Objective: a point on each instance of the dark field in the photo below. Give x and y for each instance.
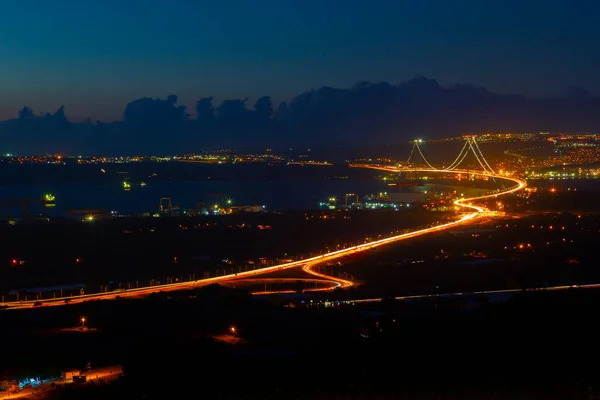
(425, 350)
(129, 250)
(529, 252)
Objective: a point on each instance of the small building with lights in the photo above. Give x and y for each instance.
(69, 374)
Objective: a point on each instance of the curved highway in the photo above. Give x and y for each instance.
(464, 203)
(307, 264)
(326, 284)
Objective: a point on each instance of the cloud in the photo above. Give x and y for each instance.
(373, 113)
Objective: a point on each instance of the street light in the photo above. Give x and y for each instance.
(233, 330)
(82, 322)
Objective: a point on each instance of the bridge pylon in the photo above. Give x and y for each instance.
(416, 158)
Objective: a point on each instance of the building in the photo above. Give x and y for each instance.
(68, 375)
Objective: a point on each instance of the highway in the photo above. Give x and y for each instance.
(484, 292)
(326, 284)
(465, 203)
(474, 212)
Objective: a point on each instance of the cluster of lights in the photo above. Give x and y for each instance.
(306, 264)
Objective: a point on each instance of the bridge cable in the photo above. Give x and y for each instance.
(458, 158)
(411, 154)
(465, 154)
(424, 159)
(481, 153)
(478, 159)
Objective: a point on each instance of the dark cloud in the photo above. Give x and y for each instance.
(205, 111)
(367, 112)
(263, 109)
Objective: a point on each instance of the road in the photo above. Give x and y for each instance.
(484, 292)
(474, 213)
(465, 203)
(326, 284)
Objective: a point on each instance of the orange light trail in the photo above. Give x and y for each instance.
(308, 263)
(479, 212)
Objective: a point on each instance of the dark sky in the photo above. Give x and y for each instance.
(95, 56)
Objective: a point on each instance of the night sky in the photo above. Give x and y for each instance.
(95, 56)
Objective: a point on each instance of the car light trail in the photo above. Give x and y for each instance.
(308, 263)
(479, 211)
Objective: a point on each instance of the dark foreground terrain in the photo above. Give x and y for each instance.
(125, 252)
(536, 345)
(532, 251)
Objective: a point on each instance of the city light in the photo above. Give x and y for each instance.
(473, 213)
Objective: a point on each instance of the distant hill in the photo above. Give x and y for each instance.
(364, 115)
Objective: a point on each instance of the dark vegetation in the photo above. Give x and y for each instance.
(536, 344)
(529, 252)
(574, 196)
(132, 251)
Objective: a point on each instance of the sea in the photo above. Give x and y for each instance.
(281, 189)
(274, 195)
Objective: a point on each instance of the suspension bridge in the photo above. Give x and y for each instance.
(470, 147)
(472, 212)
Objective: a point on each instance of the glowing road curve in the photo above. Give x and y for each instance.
(474, 212)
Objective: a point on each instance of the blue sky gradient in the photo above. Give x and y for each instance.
(96, 56)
